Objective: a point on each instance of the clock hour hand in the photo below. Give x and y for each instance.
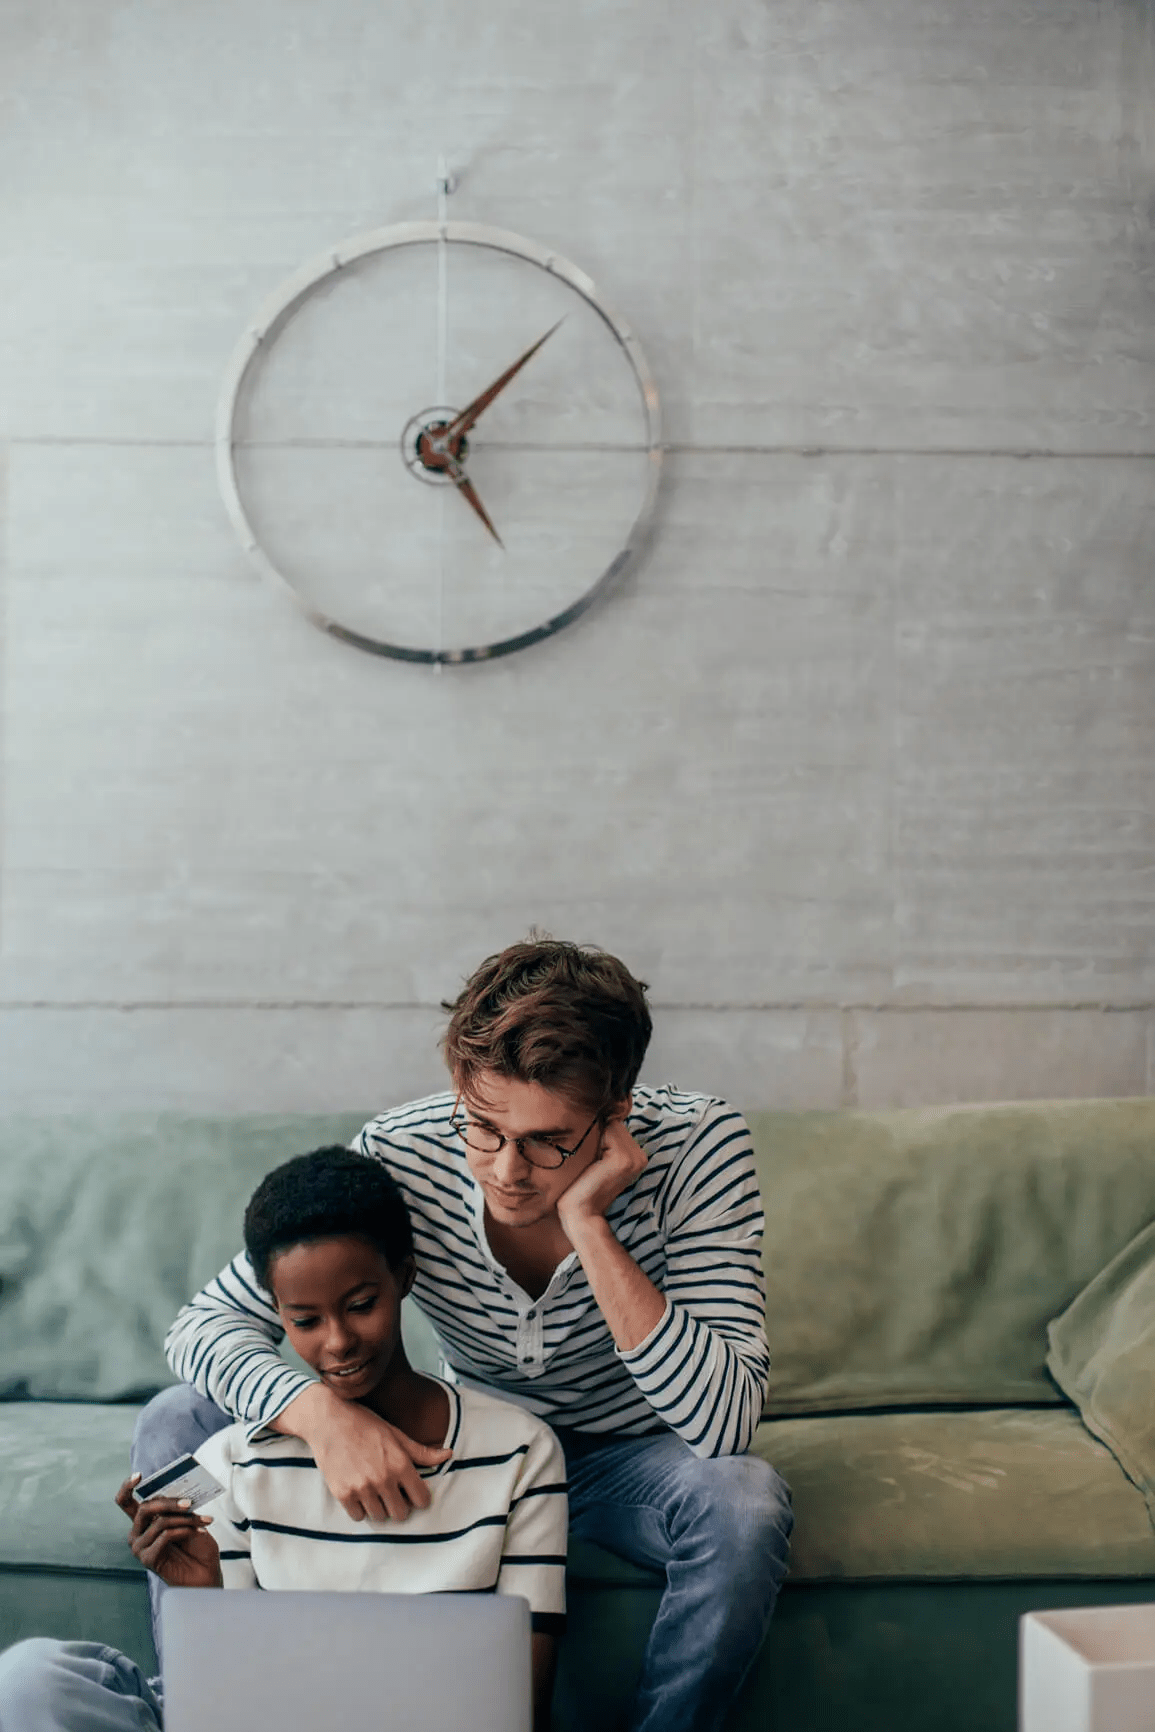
(463, 422)
(469, 492)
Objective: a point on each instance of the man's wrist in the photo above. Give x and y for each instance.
(307, 1414)
(587, 1232)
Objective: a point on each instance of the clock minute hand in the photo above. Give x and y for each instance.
(469, 415)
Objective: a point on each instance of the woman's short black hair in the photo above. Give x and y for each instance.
(324, 1195)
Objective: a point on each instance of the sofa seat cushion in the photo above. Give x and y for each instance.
(895, 1496)
(998, 1493)
(60, 1464)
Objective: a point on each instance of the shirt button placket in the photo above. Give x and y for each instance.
(529, 1350)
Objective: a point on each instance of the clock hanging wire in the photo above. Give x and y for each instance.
(445, 185)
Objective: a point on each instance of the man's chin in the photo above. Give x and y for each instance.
(514, 1209)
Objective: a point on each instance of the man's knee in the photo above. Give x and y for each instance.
(744, 1506)
(175, 1422)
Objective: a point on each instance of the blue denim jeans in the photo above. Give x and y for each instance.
(719, 1531)
(49, 1686)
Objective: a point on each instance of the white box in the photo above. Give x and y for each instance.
(1090, 1669)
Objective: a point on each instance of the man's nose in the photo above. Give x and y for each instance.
(509, 1164)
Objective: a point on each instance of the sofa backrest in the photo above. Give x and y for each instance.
(915, 1257)
(109, 1224)
(911, 1257)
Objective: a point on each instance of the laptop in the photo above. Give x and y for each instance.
(305, 1662)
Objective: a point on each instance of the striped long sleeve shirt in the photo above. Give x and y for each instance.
(692, 1221)
(495, 1523)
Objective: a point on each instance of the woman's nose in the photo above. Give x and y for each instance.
(340, 1342)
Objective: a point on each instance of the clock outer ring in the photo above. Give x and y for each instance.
(297, 287)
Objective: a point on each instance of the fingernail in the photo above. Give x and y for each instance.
(184, 1503)
(132, 1478)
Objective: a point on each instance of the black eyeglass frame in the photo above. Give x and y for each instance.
(461, 1126)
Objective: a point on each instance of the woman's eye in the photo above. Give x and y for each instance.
(364, 1304)
(302, 1322)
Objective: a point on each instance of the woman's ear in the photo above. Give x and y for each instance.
(405, 1274)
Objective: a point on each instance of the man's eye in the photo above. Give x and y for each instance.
(543, 1146)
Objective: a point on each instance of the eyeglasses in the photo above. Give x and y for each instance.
(538, 1151)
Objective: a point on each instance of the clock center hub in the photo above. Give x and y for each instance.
(430, 451)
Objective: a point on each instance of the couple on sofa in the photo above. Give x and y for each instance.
(589, 1253)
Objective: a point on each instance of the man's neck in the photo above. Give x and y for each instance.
(529, 1254)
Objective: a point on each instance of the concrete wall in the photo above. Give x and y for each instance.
(856, 770)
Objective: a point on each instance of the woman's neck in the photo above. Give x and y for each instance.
(415, 1404)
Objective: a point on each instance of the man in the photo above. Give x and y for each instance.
(590, 1250)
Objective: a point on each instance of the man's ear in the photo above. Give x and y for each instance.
(620, 1110)
(405, 1274)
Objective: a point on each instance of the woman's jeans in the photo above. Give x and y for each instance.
(719, 1531)
(49, 1686)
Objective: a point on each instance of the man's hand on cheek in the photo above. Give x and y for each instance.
(618, 1163)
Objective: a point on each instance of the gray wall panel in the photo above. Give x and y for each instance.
(862, 748)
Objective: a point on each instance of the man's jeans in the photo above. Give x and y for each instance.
(719, 1530)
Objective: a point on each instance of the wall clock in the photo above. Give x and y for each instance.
(442, 440)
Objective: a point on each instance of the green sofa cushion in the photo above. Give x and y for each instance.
(916, 1257)
(990, 1494)
(60, 1464)
(876, 1496)
(1102, 1354)
(110, 1225)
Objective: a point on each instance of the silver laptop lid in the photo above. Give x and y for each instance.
(302, 1662)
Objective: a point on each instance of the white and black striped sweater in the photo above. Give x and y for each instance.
(496, 1521)
(692, 1221)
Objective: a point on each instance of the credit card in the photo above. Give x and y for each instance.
(184, 1477)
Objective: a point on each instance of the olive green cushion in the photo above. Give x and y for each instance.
(1102, 1354)
(916, 1257)
(60, 1465)
(894, 1496)
(109, 1225)
(988, 1494)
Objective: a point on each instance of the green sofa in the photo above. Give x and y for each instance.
(943, 1483)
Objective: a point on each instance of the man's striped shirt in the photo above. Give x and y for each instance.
(692, 1221)
(496, 1520)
